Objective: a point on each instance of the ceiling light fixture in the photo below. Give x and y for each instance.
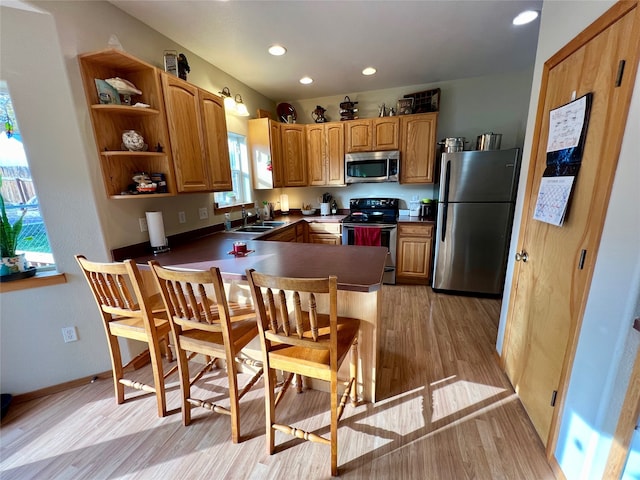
(369, 71)
(277, 50)
(306, 80)
(525, 17)
(229, 102)
(241, 108)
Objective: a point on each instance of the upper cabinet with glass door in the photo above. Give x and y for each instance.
(112, 115)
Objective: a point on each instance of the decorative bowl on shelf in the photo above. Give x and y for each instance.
(308, 212)
(133, 141)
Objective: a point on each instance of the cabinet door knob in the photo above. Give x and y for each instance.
(522, 255)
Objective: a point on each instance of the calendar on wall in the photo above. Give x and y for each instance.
(565, 145)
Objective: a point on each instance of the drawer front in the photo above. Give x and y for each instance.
(288, 235)
(414, 229)
(317, 227)
(324, 238)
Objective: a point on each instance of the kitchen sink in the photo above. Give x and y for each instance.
(255, 229)
(270, 223)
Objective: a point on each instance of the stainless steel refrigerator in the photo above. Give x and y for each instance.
(475, 215)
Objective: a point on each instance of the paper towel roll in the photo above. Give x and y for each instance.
(284, 203)
(155, 225)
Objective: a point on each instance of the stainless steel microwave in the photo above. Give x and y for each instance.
(372, 167)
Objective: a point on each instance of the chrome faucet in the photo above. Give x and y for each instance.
(244, 216)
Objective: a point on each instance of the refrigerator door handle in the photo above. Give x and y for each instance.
(445, 200)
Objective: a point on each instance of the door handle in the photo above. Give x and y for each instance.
(522, 255)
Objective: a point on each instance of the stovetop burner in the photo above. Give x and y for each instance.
(373, 210)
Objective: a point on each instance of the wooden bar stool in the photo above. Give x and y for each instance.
(303, 342)
(128, 312)
(205, 322)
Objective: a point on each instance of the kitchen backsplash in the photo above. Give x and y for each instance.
(342, 195)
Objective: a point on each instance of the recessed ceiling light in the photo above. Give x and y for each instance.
(369, 71)
(525, 17)
(306, 80)
(277, 50)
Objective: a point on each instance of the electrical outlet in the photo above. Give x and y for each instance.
(143, 224)
(69, 334)
(182, 218)
(203, 213)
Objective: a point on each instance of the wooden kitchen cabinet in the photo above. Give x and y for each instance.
(278, 154)
(293, 154)
(325, 153)
(198, 134)
(414, 253)
(302, 232)
(372, 134)
(117, 164)
(287, 234)
(326, 233)
(263, 139)
(418, 148)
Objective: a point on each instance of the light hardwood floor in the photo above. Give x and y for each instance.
(447, 412)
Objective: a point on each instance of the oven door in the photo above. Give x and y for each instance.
(388, 236)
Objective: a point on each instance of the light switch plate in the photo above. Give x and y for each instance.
(203, 213)
(182, 218)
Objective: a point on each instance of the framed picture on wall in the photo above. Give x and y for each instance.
(405, 106)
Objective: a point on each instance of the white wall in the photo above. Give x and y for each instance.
(33, 354)
(597, 384)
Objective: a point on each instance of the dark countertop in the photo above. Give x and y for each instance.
(358, 268)
(408, 219)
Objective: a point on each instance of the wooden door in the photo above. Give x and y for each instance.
(216, 141)
(418, 148)
(294, 155)
(185, 133)
(359, 135)
(334, 153)
(550, 290)
(386, 133)
(316, 154)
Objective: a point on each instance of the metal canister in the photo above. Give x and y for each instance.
(489, 141)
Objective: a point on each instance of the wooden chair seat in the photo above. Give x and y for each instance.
(196, 340)
(207, 325)
(127, 311)
(134, 327)
(299, 359)
(297, 338)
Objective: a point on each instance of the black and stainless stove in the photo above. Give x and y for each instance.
(373, 221)
(372, 210)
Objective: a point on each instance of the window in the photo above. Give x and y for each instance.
(241, 182)
(18, 190)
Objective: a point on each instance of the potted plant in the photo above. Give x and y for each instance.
(11, 262)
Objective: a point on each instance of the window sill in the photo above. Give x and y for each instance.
(234, 207)
(42, 279)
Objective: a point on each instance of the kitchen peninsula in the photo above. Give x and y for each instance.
(359, 270)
